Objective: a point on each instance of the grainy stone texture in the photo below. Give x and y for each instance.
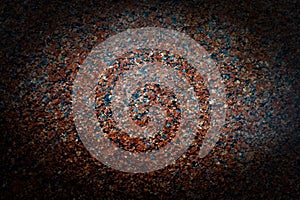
(256, 48)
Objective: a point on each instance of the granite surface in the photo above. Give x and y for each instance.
(255, 45)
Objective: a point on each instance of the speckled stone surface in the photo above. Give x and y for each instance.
(256, 48)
